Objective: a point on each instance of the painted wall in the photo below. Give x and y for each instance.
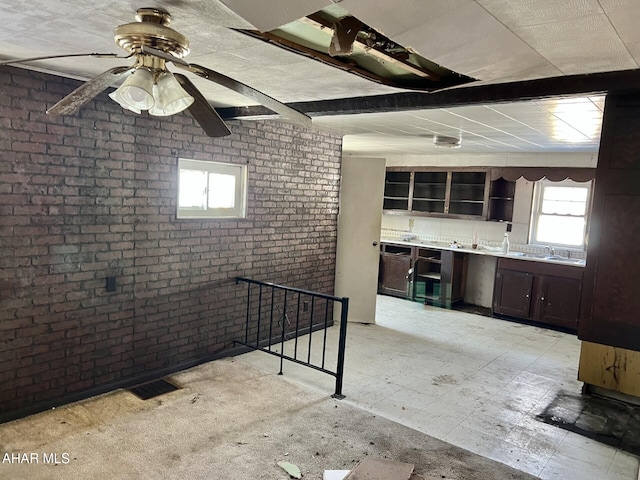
(94, 195)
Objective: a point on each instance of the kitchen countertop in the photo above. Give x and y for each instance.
(490, 251)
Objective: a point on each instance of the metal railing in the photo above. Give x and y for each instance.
(280, 315)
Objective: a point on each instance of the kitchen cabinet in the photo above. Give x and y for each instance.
(501, 198)
(560, 298)
(467, 193)
(395, 263)
(429, 275)
(538, 291)
(438, 276)
(512, 293)
(449, 193)
(396, 191)
(429, 192)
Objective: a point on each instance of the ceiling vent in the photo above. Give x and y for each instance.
(442, 141)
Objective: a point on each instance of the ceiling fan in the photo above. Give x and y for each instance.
(149, 85)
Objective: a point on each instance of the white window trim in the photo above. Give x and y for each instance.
(536, 207)
(238, 171)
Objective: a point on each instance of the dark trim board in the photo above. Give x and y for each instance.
(620, 82)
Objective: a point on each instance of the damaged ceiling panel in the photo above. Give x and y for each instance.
(400, 16)
(335, 37)
(458, 34)
(266, 15)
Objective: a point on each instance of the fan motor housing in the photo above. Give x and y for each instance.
(151, 30)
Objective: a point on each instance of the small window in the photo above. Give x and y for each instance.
(211, 189)
(560, 213)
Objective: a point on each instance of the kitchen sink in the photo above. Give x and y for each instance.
(555, 258)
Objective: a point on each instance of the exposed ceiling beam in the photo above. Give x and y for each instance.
(620, 82)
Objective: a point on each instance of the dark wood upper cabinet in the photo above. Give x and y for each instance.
(396, 190)
(460, 194)
(501, 198)
(429, 192)
(609, 314)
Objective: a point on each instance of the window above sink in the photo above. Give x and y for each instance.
(559, 214)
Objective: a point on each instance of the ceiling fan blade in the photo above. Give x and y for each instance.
(48, 57)
(87, 91)
(269, 102)
(202, 111)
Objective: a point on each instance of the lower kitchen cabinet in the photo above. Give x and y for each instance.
(512, 293)
(428, 275)
(537, 291)
(438, 276)
(560, 299)
(395, 266)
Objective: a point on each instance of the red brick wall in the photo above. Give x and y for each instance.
(94, 195)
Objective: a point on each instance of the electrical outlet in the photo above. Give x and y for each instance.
(110, 284)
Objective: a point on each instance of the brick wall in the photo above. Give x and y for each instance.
(94, 195)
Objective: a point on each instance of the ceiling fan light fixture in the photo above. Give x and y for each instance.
(170, 97)
(136, 91)
(116, 99)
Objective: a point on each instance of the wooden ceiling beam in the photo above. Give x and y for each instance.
(625, 81)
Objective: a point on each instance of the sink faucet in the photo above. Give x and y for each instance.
(550, 249)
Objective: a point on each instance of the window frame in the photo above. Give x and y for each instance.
(536, 211)
(238, 211)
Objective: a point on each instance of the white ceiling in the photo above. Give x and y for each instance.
(544, 126)
(494, 41)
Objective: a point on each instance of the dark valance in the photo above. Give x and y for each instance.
(537, 173)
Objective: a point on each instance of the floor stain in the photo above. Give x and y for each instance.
(444, 380)
(607, 421)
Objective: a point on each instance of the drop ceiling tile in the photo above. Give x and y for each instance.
(539, 12)
(266, 15)
(623, 14)
(217, 39)
(399, 16)
(574, 49)
(204, 13)
(471, 41)
(634, 51)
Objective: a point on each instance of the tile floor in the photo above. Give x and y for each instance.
(473, 381)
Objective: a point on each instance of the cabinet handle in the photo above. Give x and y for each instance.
(375, 244)
(526, 296)
(542, 299)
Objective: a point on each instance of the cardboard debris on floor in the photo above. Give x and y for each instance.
(380, 469)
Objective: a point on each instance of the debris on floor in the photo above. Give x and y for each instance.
(380, 469)
(291, 469)
(335, 474)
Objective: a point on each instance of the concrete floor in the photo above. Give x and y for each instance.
(229, 421)
(420, 376)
